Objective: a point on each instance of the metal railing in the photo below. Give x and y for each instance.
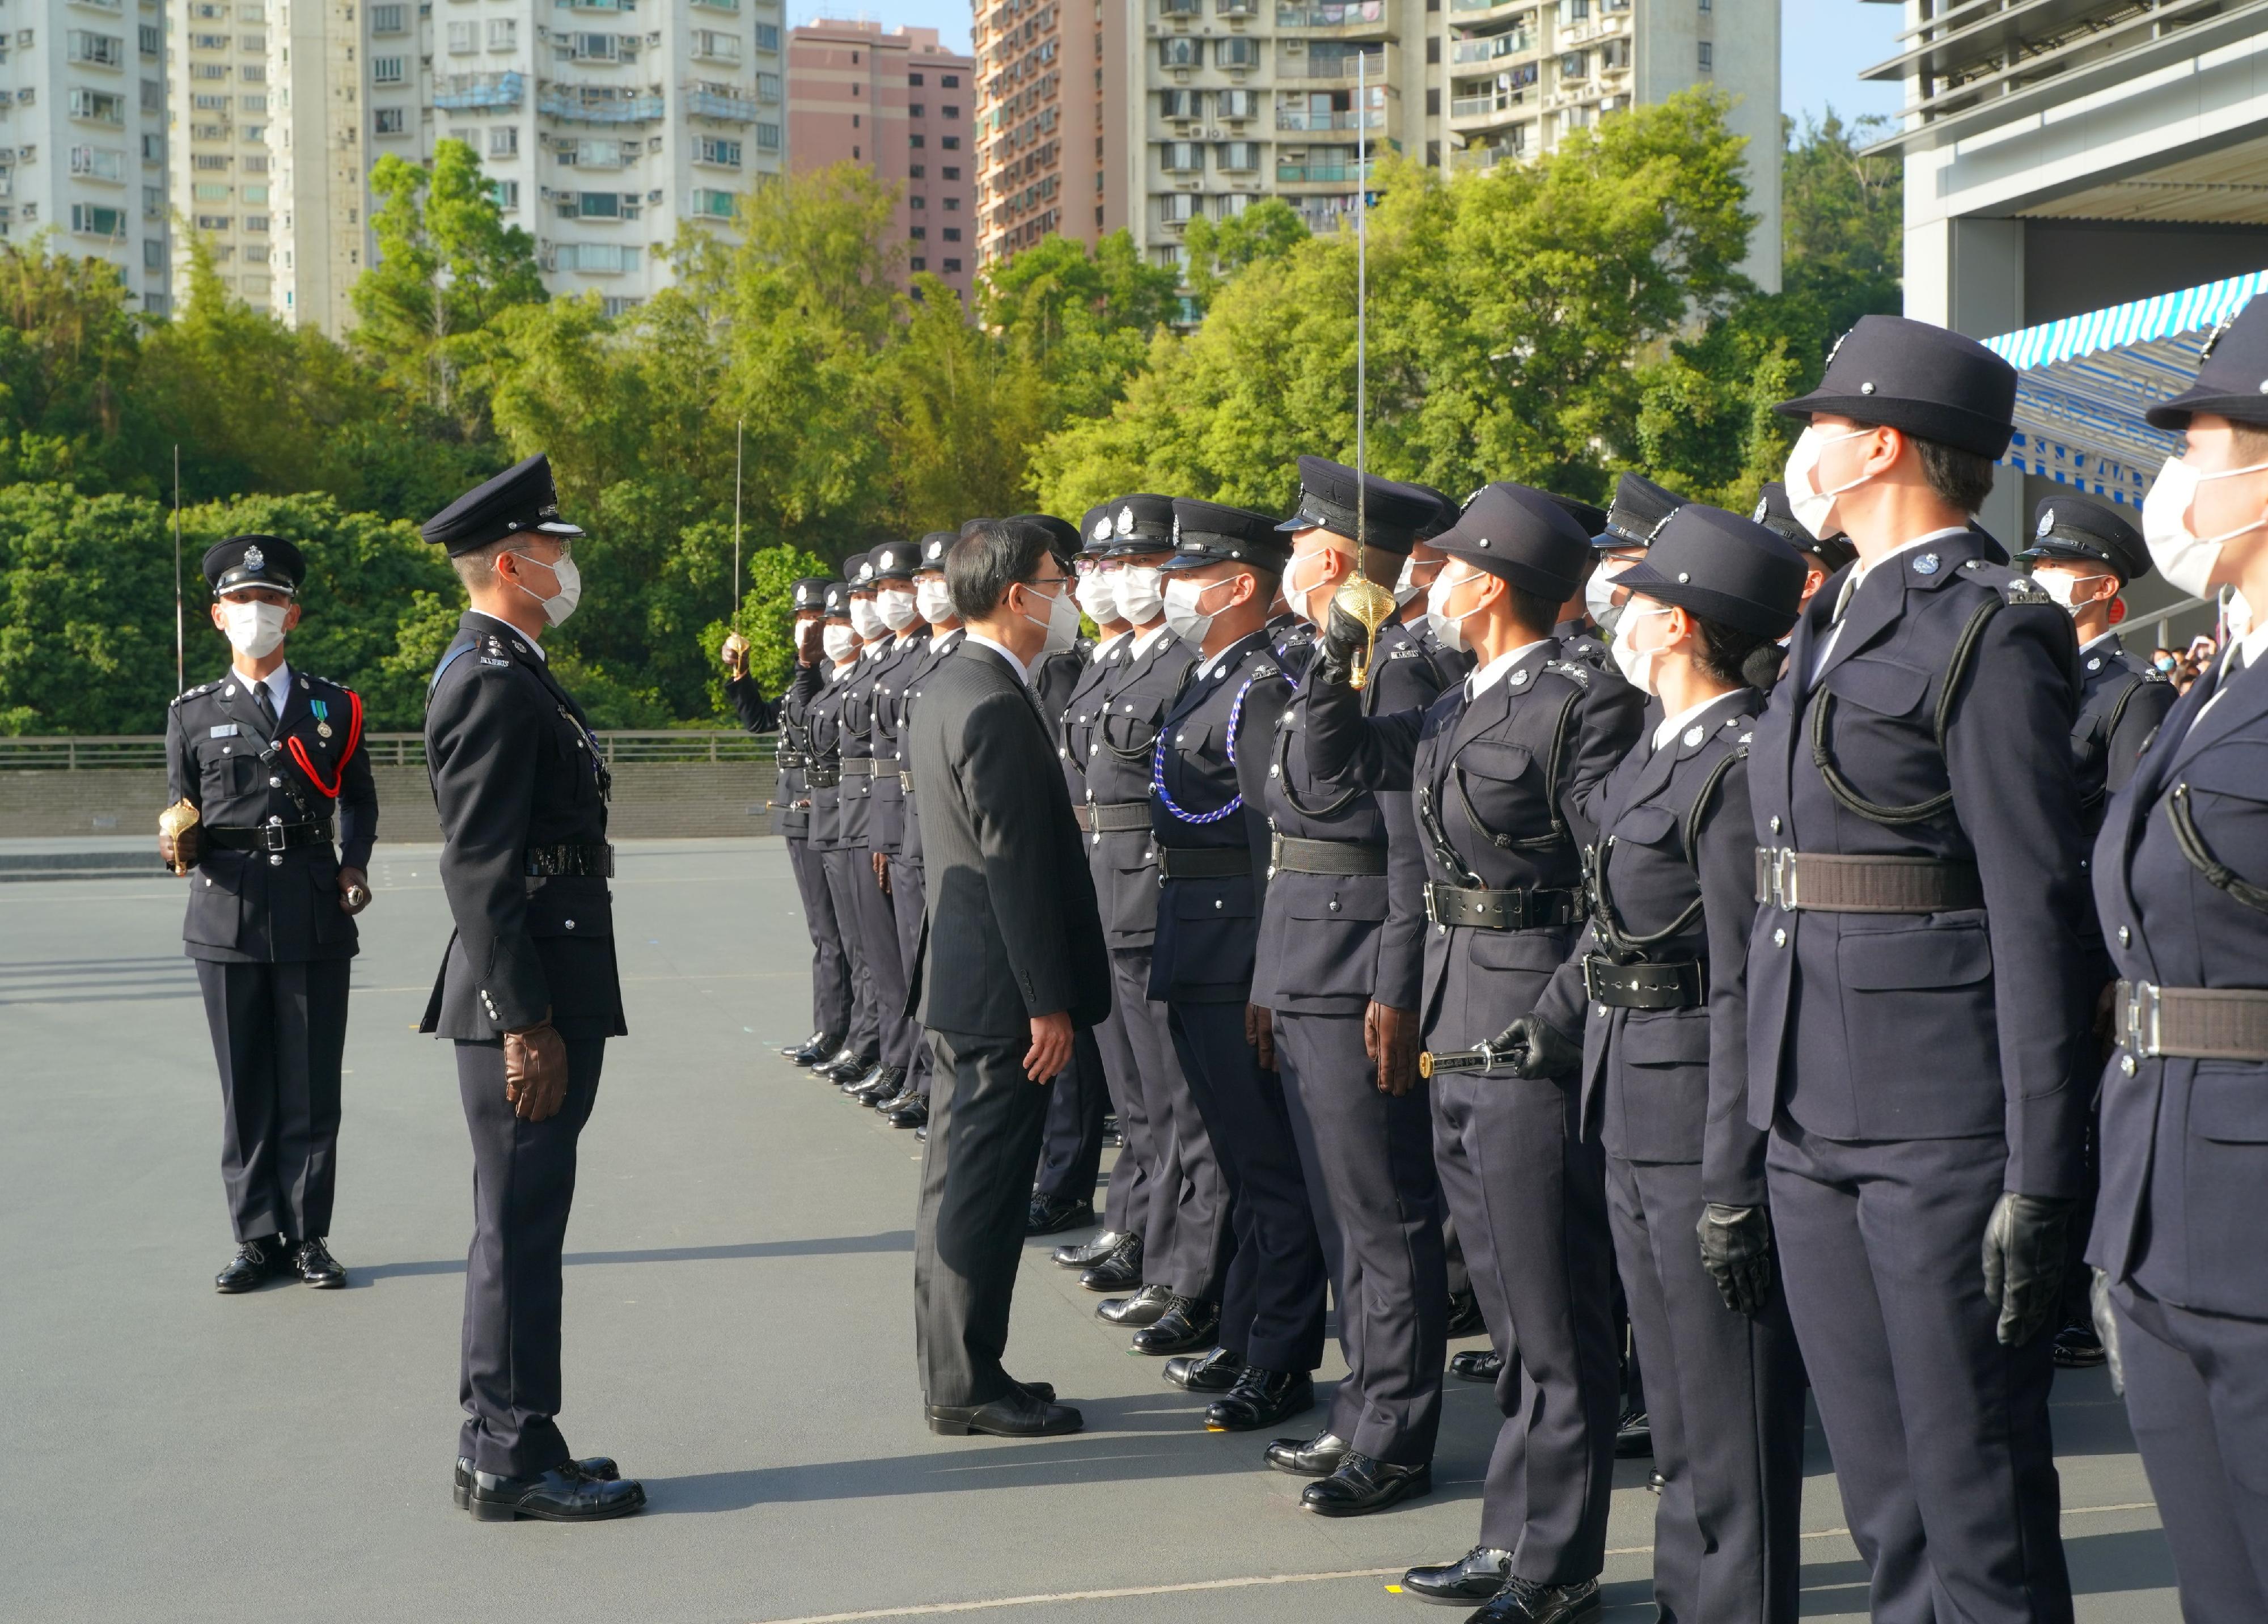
(142, 752)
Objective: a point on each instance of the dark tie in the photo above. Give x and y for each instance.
(266, 703)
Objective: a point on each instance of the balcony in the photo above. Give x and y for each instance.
(1340, 18)
(1323, 170)
(1490, 47)
(1492, 11)
(1471, 160)
(596, 104)
(464, 93)
(1327, 65)
(724, 105)
(1304, 119)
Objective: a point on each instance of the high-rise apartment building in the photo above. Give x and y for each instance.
(221, 177)
(82, 134)
(903, 106)
(316, 143)
(1048, 72)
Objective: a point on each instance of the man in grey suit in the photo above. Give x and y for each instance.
(1011, 962)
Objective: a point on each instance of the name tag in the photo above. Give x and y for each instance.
(223, 730)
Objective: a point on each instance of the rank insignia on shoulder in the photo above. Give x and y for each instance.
(488, 660)
(2022, 589)
(225, 730)
(1572, 669)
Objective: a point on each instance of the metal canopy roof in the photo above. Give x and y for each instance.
(2083, 383)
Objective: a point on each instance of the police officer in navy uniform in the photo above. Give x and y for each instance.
(1339, 972)
(2180, 882)
(272, 760)
(1417, 573)
(837, 833)
(1626, 530)
(528, 989)
(1916, 1010)
(1209, 786)
(871, 920)
(1652, 1008)
(790, 809)
(1822, 556)
(1501, 769)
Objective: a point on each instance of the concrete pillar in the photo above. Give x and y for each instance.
(1968, 274)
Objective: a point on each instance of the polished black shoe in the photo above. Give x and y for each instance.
(1655, 1483)
(906, 1094)
(600, 1467)
(1362, 1485)
(1477, 1364)
(913, 1114)
(818, 1046)
(921, 1128)
(1185, 1326)
(842, 1056)
(1146, 1307)
(863, 1081)
(848, 1069)
(1121, 1270)
(564, 1495)
(888, 1081)
(1465, 1316)
(1260, 1398)
(1022, 1413)
(2077, 1347)
(1048, 1217)
(1474, 1577)
(1524, 1601)
(313, 1262)
(1309, 1457)
(1633, 1435)
(1208, 1372)
(255, 1263)
(1044, 1392)
(1086, 1254)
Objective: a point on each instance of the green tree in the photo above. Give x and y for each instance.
(1269, 229)
(1082, 320)
(1843, 219)
(966, 411)
(69, 355)
(766, 618)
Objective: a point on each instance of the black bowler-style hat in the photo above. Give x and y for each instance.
(2232, 382)
(1445, 513)
(1636, 514)
(1775, 514)
(522, 498)
(809, 594)
(891, 561)
(1524, 536)
(1590, 515)
(1723, 568)
(1918, 378)
(246, 561)
(1210, 533)
(2074, 529)
(1390, 515)
(1128, 524)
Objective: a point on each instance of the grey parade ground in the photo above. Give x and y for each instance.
(1568, 1063)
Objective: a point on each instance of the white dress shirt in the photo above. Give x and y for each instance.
(1002, 649)
(517, 635)
(1145, 641)
(1671, 726)
(278, 682)
(1849, 591)
(1489, 675)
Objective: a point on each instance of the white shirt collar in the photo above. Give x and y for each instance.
(278, 682)
(518, 638)
(1862, 569)
(1001, 649)
(1110, 645)
(2255, 645)
(1145, 641)
(2111, 637)
(1672, 725)
(1494, 672)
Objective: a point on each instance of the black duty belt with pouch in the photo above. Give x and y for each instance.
(822, 776)
(1830, 882)
(1675, 986)
(1288, 854)
(1205, 862)
(1513, 909)
(267, 836)
(787, 761)
(2190, 1022)
(551, 861)
(1115, 817)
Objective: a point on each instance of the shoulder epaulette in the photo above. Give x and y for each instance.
(1574, 670)
(1264, 668)
(191, 693)
(1407, 651)
(2022, 589)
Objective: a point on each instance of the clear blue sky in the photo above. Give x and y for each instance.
(1823, 43)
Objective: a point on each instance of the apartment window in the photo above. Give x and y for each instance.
(950, 81)
(768, 37)
(208, 41)
(768, 137)
(1235, 103)
(210, 104)
(96, 222)
(952, 204)
(1433, 103)
(712, 46)
(203, 192)
(916, 110)
(951, 112)
(917, 263)
(953, 233)
(1180, 103)
(915, 171)
(388, 120)
(1575, 65)
(768, 87)
(98, 106)
(386, 19)
(916, 203)
(461, 39)
(504, 34)
(255, 194)
(1181, 156)
(99, 163)
(1573, 12)
(153, 253)
(618, 304)
(153, 149)
(716, 149)
(1239, 155)
(951, 266)
(210, 160)
(914, 140)
(1613, 55)
(1178, 52)
(506, 194)
(504, 141)
(1176, 207)
(255, 222)
(388, 70)
(208, 70)
(1708, 56)
(712, 205)
(604, 258)
(255, 73)
(254, 104)
(951, 143)
(1241, 51)
(951, 172)
(151, 39)
(205, 222)
(599, 205)
(917, 232)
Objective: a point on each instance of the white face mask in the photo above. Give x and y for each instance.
(934, 600)
(1183, 617)
(1810, 505)
(2062, 588)
(1296, 594)
(1450, 629)
(895, 606)
(1636, 665)
(1141, 594)
(254, 629)
(561, 603)
(865, 620)
(2182, 556)
(1098, 595)
(1061, 622)
(839, 641)
(1599, 594)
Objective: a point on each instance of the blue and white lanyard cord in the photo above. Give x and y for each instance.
(1158, 766)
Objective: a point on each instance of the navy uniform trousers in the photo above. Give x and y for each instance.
(830, 964)
(1070, 1144)
(906, 897)
(880, 943)
(279, 1032)
(1186, 1234)
(846, 866)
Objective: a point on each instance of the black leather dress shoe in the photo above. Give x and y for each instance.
(1086, 1254)
(2077, 1347)
(1309, 1457)
(563, 1496)
(842, 1056)
(313, 1262)
(904, 1093)
(913, 1114)
(460, 1482)
(1477, 1364)
(818, 1046)
(1185, 1326)
(1524, 1601)
(1362, 1485)
(1474, 1577)
(864, 1080)
(921, 1128)
(1146, 1307)
(1022, 1413)
(1120, 1270)
(1044, 1392)
(256, 1263)
(1260, 1398)
(1048, 1217)
(1465, 1316)
(849, 1069)
(885, 1084)
(1633, 1435)
(1215, 1371)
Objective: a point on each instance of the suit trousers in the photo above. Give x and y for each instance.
(1186, 1235)
(830, 969)
(523, 1187)
(983, 1146)
(1070, 1144)
(1367, 1159)
(1272, 1300)
(844, 865)
(2196, 1395)
(886, 960)
(278, 1034)
(1940, 1434)
(1517, 1174)
(1727, 1406)
(906, 899)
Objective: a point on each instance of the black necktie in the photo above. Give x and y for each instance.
(260, 698)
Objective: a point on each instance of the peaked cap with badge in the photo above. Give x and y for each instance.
(2076, 529)
(858, 571)
(1724, 568)
(522, 498)
(1211, 533)
(1390, 513)
(242, 562)
(892, 560)
(2232, 379)
(809, 594)
(1525, 536)
(1918, 378)
(934, 546)
(834, 597)
(1636, 515)
(1773, 512)
(1127, 525)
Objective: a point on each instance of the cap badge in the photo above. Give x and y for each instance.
(1866, 388)
(1102, 530)
(866, 572)
(935, 548)
(2047, 520)
(254, 559)
(1126, 521)
(1763, 507)
(1927, 564)
(2220, 331)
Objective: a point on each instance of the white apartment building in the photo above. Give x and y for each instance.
(82, 134)
(220, 173)
(316, 144)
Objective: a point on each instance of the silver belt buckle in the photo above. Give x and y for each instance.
(2143, 1027)
(273, 837)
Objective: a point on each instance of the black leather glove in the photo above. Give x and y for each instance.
(1533, 1047)
(1343, 639)
(2024, 1249)
(1736, 1249)
(2106, 1332)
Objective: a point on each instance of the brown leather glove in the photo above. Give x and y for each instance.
(535, 1071)
(1390, 1036)
(1260, 1032)
(808, 642)
(735, 654)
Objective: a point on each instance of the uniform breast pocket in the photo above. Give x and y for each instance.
(1919, 992)
(221, 776)
(1214, 938)
(1495, 789)
(1332, 944)
(1130, 726)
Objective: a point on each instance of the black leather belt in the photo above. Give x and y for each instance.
(2191, 1023)
(1675, 986)
(547, 862)
(857, 766)
(823, 777)
(1118, 817)
(787, 761)
(1288, 854)
(1211, 862)
(1484, 910)
(1830, 882)
(268, 837)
